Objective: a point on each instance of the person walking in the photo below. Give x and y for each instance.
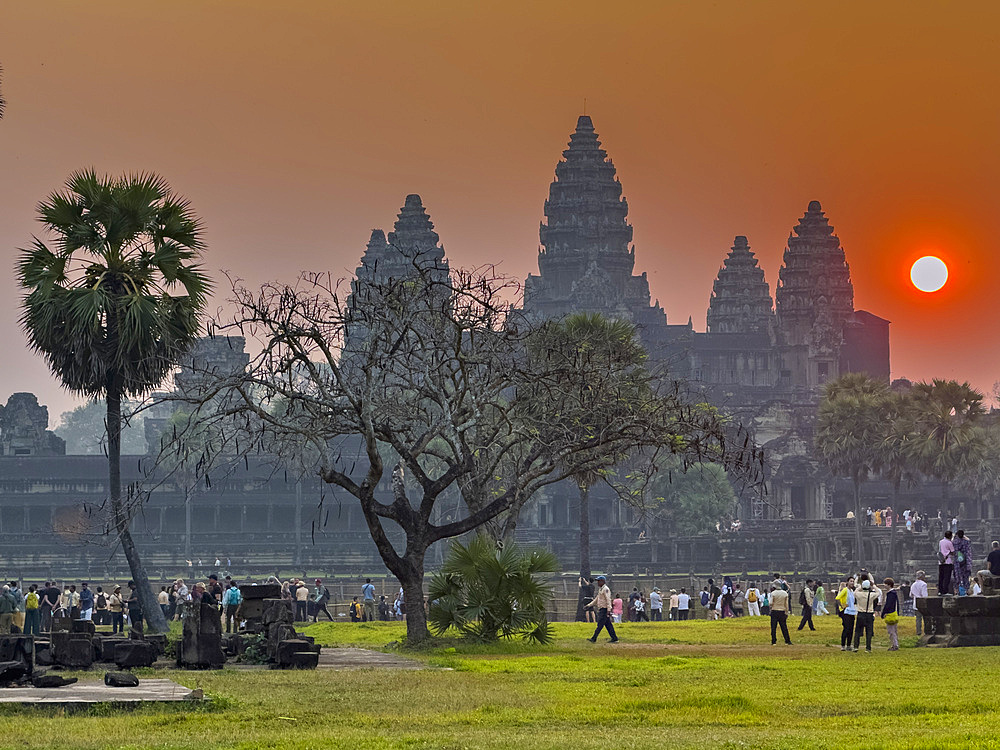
(602, 603)
(32, 614)
(714, 600)
(586, 594)
(946, 563)
(640, 609)
(847, 608)
(116, 607)
(368, 594)
(779, 615)
(806, 598)
(890, 614)
(819, 601)
(753, 601)
(867, 600)
(918, 590)
(322, 597)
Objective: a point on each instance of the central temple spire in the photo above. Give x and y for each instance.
(586, 261)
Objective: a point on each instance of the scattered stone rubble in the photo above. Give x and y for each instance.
(75, 644)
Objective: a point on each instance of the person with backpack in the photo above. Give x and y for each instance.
(705, 599)
(765, 604)
(355, 610)
(32, 613)
(8, 606)
(101, 616)
(231, 601)
(962, 570)
(753, 601)
(739, 600)
(867, 601)
(322, 597)
(806, 598)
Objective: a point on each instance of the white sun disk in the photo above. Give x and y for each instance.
(929, 274)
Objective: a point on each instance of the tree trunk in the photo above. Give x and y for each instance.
(122, 517)
(412, 581)
(581, 599)
(857, 524)
(891, 568)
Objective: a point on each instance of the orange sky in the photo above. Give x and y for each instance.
(296, 127)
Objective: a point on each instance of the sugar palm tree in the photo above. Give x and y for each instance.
(950, 438)
(112, 301)
(850, 433)
(3, 104)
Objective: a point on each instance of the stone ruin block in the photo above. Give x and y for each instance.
(61, 624)
(19, 648)
(157, 640)
(76, 653)
(201, 644)
(234, 644)
(297, 653)
(130, 654)
(13, 672)
(83, 626)
(255, 600)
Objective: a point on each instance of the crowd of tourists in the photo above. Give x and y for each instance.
(31, 611)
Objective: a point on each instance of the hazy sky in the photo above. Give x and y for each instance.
(296, 127)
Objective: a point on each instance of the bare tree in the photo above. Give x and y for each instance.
(412, 390)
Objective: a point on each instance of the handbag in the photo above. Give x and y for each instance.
(892, 618)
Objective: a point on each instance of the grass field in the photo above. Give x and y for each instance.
(693, 684)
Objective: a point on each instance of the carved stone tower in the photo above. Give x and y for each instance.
(813, 301)
(413, 250)
(586, 261)
(741, 299)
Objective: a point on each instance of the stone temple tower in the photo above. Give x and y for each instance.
(813, 302)
(412, 251)
(586, 261)
(741, 299)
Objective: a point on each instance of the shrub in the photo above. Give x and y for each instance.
(488, 591)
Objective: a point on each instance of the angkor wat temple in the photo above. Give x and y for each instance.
(763, 358)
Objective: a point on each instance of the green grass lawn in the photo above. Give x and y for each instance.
(693, 684)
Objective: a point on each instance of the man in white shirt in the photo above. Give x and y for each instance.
(753, 601)
(683, 605)
(918, 590)
(656, 605)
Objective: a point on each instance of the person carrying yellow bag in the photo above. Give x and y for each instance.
(890, 613)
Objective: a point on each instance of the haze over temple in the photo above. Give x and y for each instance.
(763, 359)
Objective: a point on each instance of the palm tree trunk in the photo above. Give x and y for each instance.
(584, 548)
(122, 517)
(891, 569)
(857, 523)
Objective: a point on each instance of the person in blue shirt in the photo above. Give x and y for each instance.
(368, 593)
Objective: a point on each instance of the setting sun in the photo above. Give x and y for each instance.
(929, 274)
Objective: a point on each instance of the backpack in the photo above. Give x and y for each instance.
(752, 595)
(102, 602)
(704, 598)
(802, 598)
(31, 602)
